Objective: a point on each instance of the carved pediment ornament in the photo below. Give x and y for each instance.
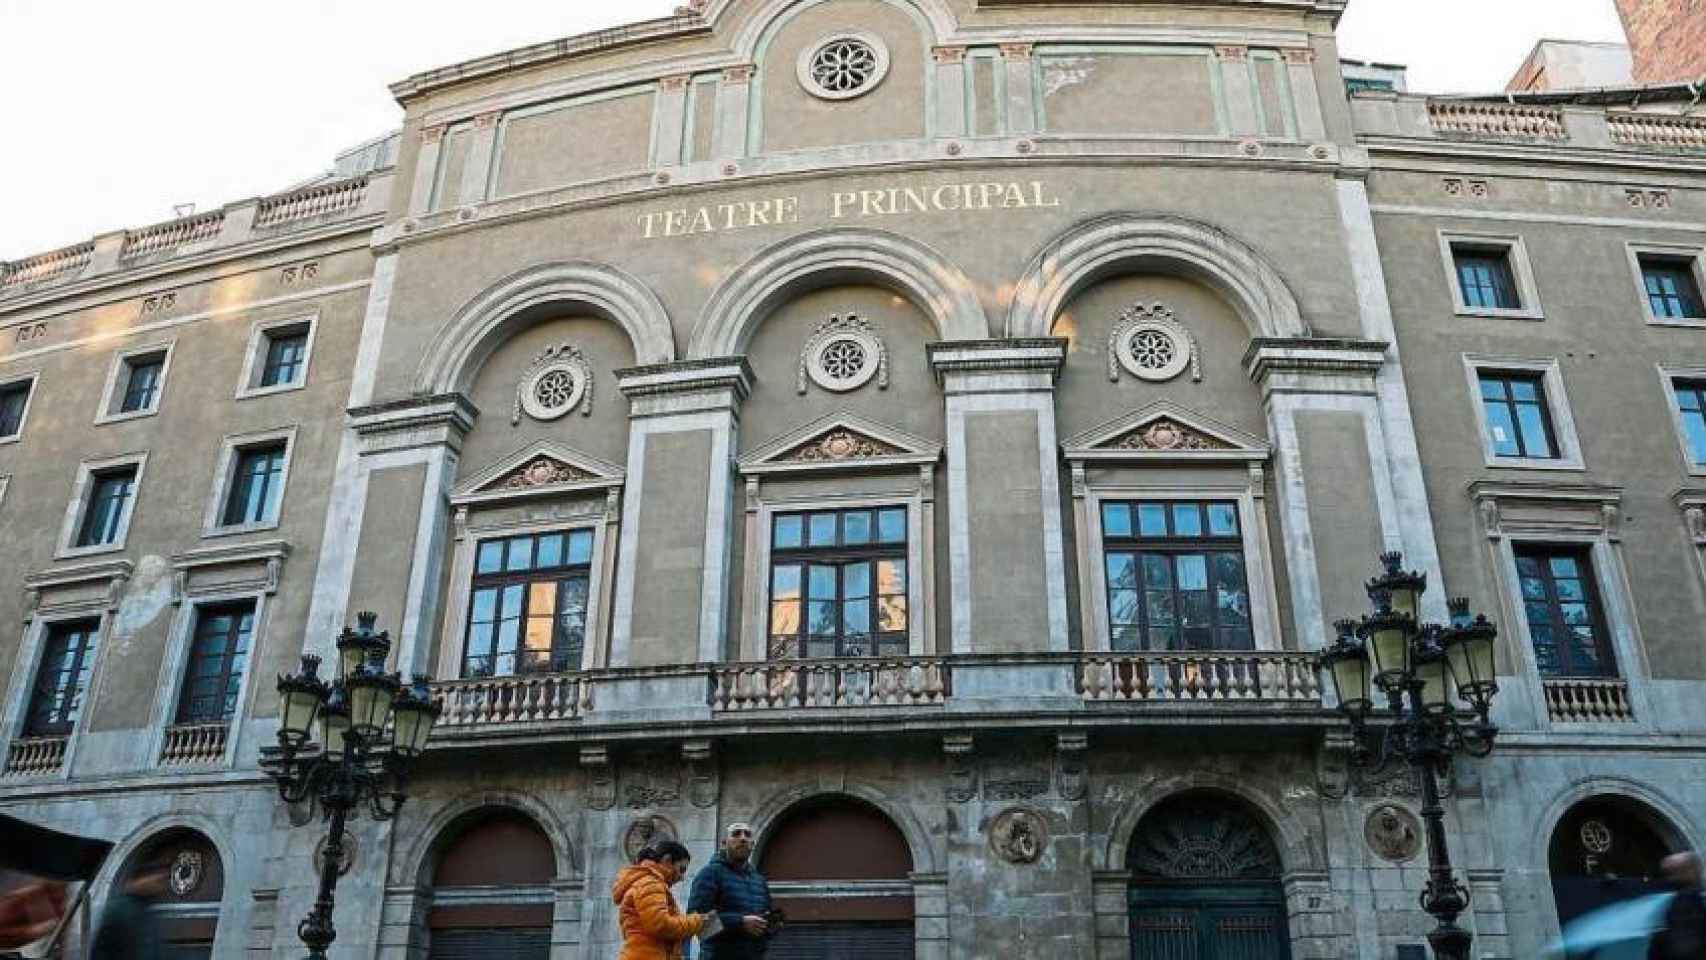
(1165, 433)
(541, 471)
(843, 354)
(1149, 343)
(840, 444)
(557, 382)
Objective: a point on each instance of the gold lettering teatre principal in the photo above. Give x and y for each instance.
(848, 205)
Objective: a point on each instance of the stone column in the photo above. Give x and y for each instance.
(669, 120)
(1238, 89)
(1112, 906)
(678, 511)
(1021, 88)
(733, 110)
(426, 170)
(1004, 508)
(482, 153)
(950, 80)
(1305, 94)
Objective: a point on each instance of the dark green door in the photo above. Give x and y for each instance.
(1208, 923)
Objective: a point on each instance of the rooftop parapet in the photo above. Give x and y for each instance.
(1630, 126)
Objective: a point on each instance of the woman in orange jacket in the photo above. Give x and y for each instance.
(653, 927)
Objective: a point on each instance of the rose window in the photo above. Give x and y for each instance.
(1152, 349)
(843, 359)
(554, 389)
(844, 66)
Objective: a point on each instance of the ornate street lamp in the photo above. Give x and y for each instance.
(372, 730)
(1428, 673)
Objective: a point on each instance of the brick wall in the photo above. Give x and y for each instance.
(1668, 38)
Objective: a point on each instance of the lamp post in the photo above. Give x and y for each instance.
(1421, 669)
(372, 730)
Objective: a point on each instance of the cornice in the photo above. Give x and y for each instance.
(1016, 355)
(733, 374)
(1508, 152)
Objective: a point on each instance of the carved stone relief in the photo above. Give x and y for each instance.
(1150, 344)
(186, 873)
(1165, 433)
(1020, 779)
(558, 382)
(962, 767)
(539, 472)
(601, 778)
(1072, 753)
(1018, 835)
(346, 856)
(839, 444)
(1393, 833)
(645, 831)
(653, 783)
(843, 354)
(704, 783)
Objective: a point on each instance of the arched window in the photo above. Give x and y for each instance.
(1606, 849)
(1206, 882)
(841, 870)
(186, 901)
(491, 889)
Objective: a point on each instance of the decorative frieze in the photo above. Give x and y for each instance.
(299, 273)
(1165, 433)
(1471, 189)
(1649, 198)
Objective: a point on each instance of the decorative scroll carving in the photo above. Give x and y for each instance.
(654, 784)
(539, 472)
(1202, 838)
(557, 382)
(1396, 782)
(1165, 433)
(1019, 780)
(601, 778)
(1490, 519)
(1072, 750)
(1151, 344)
(1018, 835)
(290, 276)
(1696, 518)
(840, 444)
(704, 783)
(1393, 833)
(843, 354)
(962, 768)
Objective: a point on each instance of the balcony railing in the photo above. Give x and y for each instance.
(1277, 677)
(1657, 130)
(60, 264)
(317, 201)
(194, 744)
(1588, 701)
(1497, 120)
(172, 235)
(815, 684)
(533, 698)
(35, 756)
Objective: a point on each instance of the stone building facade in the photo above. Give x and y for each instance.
(1668, 38)
(938, 432)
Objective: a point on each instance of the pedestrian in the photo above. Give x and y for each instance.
(1684, 935)
(129, 929)
(30, 912)
(738, 894)
(653, 927)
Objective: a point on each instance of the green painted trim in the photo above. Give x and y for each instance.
(690, 122)
(443, 163)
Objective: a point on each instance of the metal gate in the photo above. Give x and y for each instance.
(491, 943)
(870, 940)
(1209, 923)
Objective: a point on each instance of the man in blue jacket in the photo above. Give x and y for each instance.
(730, 887)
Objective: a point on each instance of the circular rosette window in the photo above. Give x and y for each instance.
(843, 66)
(845, 360)
(1153, 346)
(555, 387)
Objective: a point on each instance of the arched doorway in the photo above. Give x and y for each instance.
(1206, 883)
(491, 889)
(187, 905)
(1606, 849)
(841, 870)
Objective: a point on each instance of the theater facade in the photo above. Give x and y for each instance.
(941, 433)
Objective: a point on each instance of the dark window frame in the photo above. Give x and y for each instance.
(283, 348)
(1542, 402)
(566, 653)
(1556, 623)
(1172, 545)
(1502, 284)
(130, 398)
(48, 714)
(839, 557)
(1682, 299)
(15, 406)
(234, 509)
(89, 522)
(240, 642)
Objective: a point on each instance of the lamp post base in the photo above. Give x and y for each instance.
(1450, 941)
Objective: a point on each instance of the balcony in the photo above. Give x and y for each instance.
(35, 756)
(1588, 701)
(1229, 678)
(194, 745)
(1529, 121)
(830, 684)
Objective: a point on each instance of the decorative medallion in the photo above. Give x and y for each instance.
(1597, 838)
(1393, 833)
(539, 472)
(843, 354)
(346, 856)
(186, 873)
(644, 832)
(840, 444)
(558, 381)
(1018, 835)
(843, 66)
(1164, 433)
(1151, 345)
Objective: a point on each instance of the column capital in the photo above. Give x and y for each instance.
(677, 82)
(738, 74)
(416, 422)
(1017, 51)
(948, 54)
(980, 366)
(1309, 364)
(488, 119)
(686, 386)
(1232, 52)
(1298, 55)
(433, 133)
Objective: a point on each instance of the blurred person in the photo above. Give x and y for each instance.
(730, 887)
(1684, 933)
(30, 912)
(129, 930)
(653, 927)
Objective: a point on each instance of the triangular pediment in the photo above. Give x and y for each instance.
(1164, 430)
(541, 467)
(840, 440)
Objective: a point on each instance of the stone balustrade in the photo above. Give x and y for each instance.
(1256, 677)
(1657, 130)
(827, 684)
(35, 756)
(500, 701)
(1505, 121)
(171, 235)
(194, 744)
(321, 200)
(64, 264)
(1588, 701)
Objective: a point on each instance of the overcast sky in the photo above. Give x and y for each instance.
(118, 109)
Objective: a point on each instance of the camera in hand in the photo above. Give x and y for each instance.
(774, 918)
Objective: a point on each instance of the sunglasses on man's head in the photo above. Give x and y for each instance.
(740, 834)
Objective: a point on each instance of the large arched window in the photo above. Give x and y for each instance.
(841, 870)
(1206, 882)
(491, 890)
(187, 907)
(1606, 849)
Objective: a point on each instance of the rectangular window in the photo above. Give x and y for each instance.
(1518, 422)
(286, 352)
(1672, 291)
(219, 652)
(838, 584)
(1691, 404)
(142, 377)
(1484, 275)
(1565, 618)
(1175, 576)
(14, 397)
(528, 609)
(257, 484)
(62, 679)
(104, 516)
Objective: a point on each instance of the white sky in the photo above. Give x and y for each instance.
(118, 109)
